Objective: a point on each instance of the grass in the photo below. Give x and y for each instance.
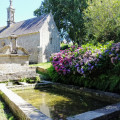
(46, 66)
(42, 65)
(5, 113)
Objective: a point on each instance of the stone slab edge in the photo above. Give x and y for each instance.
(105, 113)
(27, 85)
(19, 107)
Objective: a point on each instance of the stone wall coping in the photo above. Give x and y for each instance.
(112, 96)
(25, 85)
(99, 114)
(13, 55)
(22, 35)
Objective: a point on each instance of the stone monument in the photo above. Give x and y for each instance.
(14, 62)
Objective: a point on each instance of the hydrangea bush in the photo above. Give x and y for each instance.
(87, 61)
(82, 60)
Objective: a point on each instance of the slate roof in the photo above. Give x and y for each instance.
(24, 27)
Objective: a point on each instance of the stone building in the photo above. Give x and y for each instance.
(39, 35)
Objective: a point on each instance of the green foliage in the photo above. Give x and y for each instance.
(5, 113)
(68, 15)
(105, 81)
(29, 80)
(114, 82)
(67, 79)
(97, 47)
(43, 75)
(63, 46)
(10, 117)
(105, 75)
(102, 20)
(85, 20)
(37, 78)
(53, 74)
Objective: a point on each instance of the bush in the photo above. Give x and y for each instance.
(102, 20)
(89, 66)
(29, 80)
(63, 46)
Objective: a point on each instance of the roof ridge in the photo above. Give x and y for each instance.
(24, 27)
(27, 19)
(32, 18)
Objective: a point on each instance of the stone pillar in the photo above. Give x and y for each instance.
(13, 44)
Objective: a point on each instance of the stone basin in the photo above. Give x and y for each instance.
(28, 112)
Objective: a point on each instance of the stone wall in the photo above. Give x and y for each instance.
(15, 67)
(4, 40)
(49, 39)
(30, 42)
(13, 63)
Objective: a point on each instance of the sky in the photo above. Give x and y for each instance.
(23, 9)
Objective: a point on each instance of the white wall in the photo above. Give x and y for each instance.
(5, 40)
(49, 30)
(30, 42)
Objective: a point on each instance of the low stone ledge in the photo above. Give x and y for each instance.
(24, 85)
(18, 75)
(100, 114)
(21, 108)
(106, 96)
(40, 69)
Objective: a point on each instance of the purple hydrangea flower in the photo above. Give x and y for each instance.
(100, 56)
(106, 51)
(82, 72)
(76, 65)
(81, 69)
(88, 68)
(78, 69)
(89, 64)
(92, 67)
(110, 53)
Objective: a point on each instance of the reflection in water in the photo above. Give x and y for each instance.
(43, 107)
(59, 104)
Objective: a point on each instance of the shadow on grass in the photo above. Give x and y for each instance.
(5, 111)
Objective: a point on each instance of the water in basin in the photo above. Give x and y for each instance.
(58, 104)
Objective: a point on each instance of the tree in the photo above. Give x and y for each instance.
(102, 20)
(68, 15)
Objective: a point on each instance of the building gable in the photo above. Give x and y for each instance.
(49, 38)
